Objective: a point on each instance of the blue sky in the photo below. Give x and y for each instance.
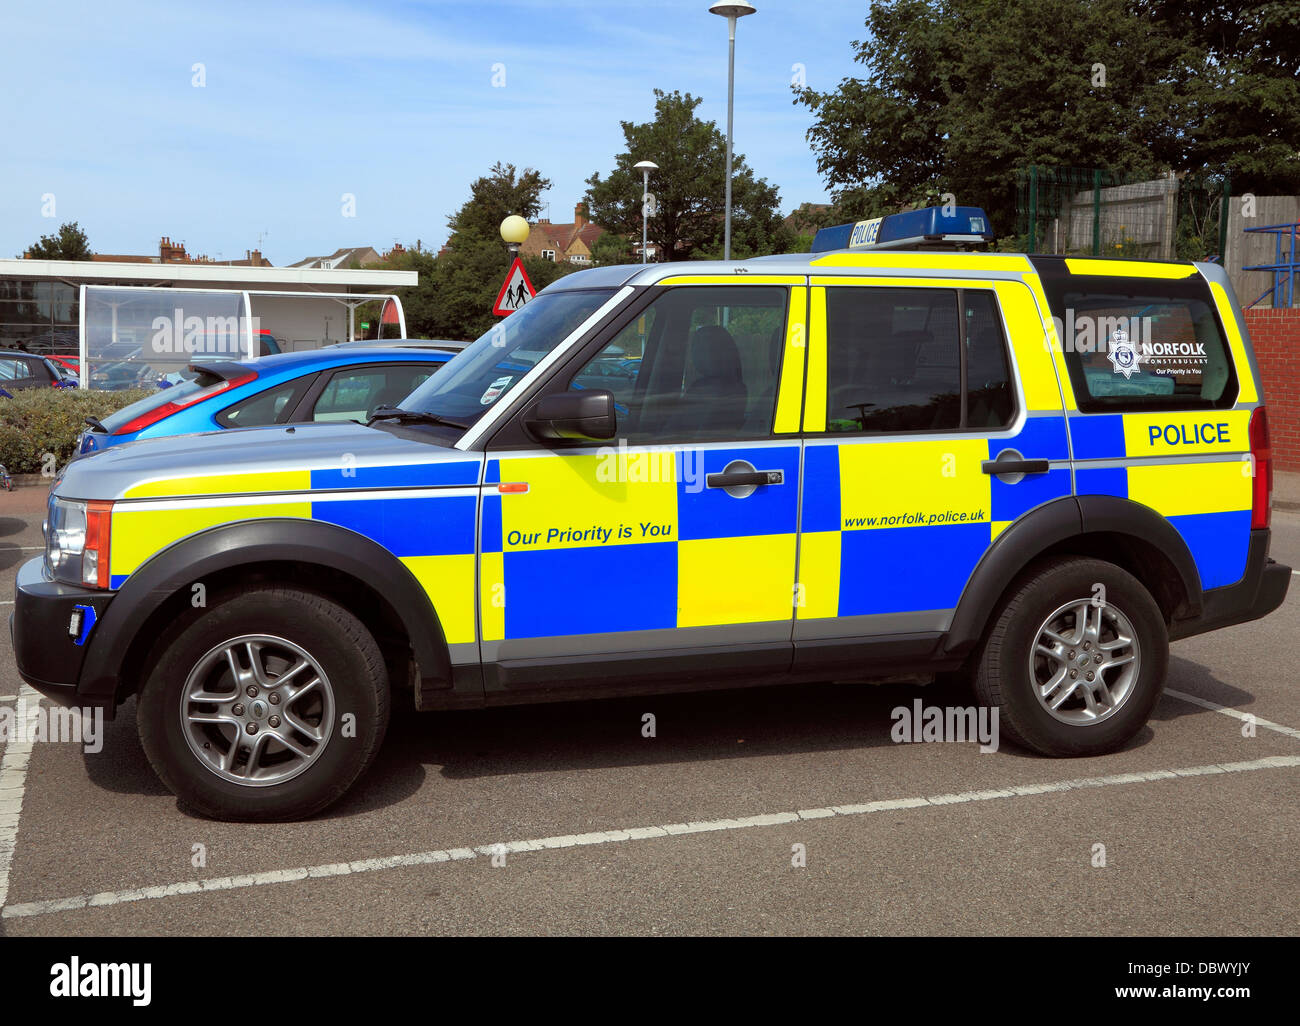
(392, 103)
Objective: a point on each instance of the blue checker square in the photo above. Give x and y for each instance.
(711, 513)
(427, 526)
(1219, 542)
(821, 496)
(1041, 438)
(1098, 436)
(1102, 481)
(898, 569)
(635, 585)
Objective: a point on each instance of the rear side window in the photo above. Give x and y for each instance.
(1135, 344)
(897, 360)
(270, 407)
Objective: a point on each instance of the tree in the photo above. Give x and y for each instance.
(611, 248)
(689, 187)
(468, 276)
(959, 94)
(69, 244)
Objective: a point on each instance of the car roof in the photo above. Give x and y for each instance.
(847, 262)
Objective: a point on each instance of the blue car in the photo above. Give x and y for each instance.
(319, 385)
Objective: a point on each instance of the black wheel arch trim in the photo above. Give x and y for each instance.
(246, 543)
(1048, 525)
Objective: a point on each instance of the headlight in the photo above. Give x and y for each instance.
(77, 536)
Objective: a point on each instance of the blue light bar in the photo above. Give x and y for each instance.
(930, 227)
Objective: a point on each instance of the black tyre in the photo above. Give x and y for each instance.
(1075, 659)
(267, 706)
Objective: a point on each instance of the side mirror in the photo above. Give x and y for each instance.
(586, 415)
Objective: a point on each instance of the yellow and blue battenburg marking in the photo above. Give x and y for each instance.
(1144, 457)
(898, 526)
(665, 550)
(432, 533)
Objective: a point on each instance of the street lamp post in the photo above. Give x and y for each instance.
(514, 230)
(731, 10)
(645, 167)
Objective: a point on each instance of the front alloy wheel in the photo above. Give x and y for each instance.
(257, 710)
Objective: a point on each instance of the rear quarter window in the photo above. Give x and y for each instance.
(1139, 344)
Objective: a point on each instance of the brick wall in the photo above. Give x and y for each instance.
(1275, 335)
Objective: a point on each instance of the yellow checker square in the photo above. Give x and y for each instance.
(492, 591)
(139, 533)
(449, 583)
(1248, 390)
(1031, 343)
(1187, 434)
(1177, 489)
(224, 484)
(818, 592)
(594, 499)
(735, 580)
(882, 484)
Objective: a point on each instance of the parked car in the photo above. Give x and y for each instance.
(71, 364)
(291, 387)
(901, 442)
(19, 370)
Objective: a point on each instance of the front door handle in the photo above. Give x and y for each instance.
(740, 478)
(999, 467)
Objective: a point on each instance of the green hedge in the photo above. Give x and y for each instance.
(40, 420)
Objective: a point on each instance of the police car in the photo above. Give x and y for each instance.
(891, 457)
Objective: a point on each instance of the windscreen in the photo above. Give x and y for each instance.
(476, 379)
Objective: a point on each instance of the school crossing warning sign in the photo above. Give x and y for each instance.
(516, 291)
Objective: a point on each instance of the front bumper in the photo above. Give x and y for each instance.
(49, 657)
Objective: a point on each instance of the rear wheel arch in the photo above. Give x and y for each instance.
(347, 567)
(1118, 531)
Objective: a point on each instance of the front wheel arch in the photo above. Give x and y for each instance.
(161, 589)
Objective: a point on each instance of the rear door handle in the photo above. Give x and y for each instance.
(738, 479)
(998, 467)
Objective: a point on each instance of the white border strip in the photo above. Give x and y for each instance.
(13, 782)
(1234, 713)
(230, 883)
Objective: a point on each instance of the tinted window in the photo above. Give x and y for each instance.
(353, 394)
(699, 364)
(1141, 350)
(270, 407)
(894, 360)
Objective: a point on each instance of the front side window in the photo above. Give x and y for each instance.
(895, 359)
(699, 364)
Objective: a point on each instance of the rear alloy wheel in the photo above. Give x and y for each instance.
(1075, 659)
(267, 706)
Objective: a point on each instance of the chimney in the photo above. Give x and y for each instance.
(255, 258)
(578, 219)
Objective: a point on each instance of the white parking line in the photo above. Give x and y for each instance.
(279, 876)
(1234, 713)
(13, 782)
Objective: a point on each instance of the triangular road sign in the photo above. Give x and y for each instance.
(515, 292)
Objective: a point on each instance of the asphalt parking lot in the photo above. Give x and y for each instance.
(698, 829)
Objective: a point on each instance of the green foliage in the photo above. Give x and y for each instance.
(37, 421)
(958, 94)
(70, 243)
(689, 187)
(611, 248)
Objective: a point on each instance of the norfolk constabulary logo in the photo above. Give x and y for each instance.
(1124, 356)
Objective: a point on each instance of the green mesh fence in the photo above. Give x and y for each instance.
(1095, 212)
